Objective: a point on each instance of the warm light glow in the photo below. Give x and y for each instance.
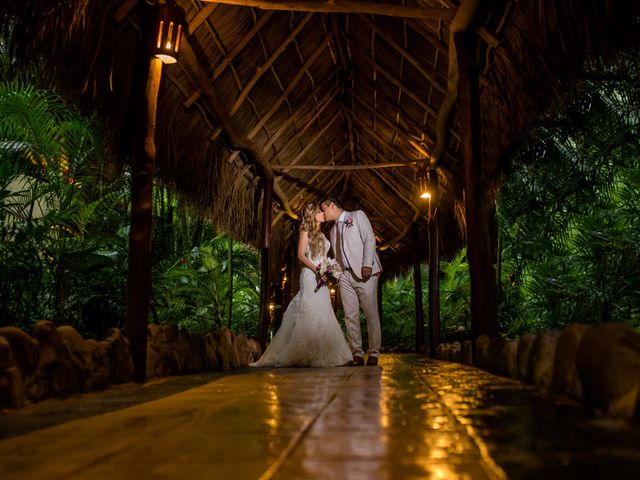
(272, 307)
(332, 291)
(168, 35)
(425, 195)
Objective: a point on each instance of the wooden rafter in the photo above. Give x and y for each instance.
(323, 102)
(345, 6)
(200, 17)
(343, 167)
(238, 141)
(402, 51)
(313, 140)
(290, 87)
(265, 66)
(304, 128)
(462, 21)
(414, 143)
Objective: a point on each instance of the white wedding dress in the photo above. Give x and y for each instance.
(310, 335)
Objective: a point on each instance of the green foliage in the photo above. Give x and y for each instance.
(192, 290)
(568, 214)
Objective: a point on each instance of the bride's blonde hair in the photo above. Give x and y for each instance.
(309, 225)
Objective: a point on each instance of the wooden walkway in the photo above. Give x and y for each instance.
(410, 418)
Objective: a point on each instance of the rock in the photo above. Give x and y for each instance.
(467, 352)
(524, 351)
(163, 350)
(541, 359)
(482, 352)
(99, 377)
(6, 357)
(12, 391)
(496, 344)
(242, 349)
(198, 350)
(508, 359)
(608, 365)
(182, 350)
(212, 347)
(118, 356)
(227, 356)
(455, 352)
(59, 373)
(441, 351)
(565, 379)
(256, 351)
(24, 349)
(78, 349)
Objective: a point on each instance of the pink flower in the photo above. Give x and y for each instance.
(348, 222)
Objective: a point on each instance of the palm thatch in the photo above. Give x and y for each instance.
(325, 88)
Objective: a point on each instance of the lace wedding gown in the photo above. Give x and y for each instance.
(310, 335)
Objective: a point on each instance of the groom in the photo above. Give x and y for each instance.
(355, 249)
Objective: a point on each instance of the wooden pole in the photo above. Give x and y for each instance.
(346, 6)
(265, 283)
(417, 285)
(344, 167)
(139, 275)
(479, 231)
(434, 268)
(230, 285)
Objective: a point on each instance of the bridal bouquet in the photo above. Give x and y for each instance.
(329, 269)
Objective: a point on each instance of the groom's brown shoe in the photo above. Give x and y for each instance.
(372, 361)
(357, 361)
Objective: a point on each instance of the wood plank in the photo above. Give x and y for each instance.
(124, 9)
(201, 17)
(417, 287)
(346, 6)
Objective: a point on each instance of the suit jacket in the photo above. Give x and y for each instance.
(358, 243)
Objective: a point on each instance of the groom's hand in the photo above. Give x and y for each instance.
(366, 273)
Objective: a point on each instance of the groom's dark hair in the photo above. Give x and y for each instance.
(328, 200)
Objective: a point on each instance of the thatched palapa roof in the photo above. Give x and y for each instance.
(306, 84)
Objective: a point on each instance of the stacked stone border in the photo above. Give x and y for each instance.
(56, 361)
(598, 366)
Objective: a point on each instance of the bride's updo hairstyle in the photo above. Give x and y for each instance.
(309, 225)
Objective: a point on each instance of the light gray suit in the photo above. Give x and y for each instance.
(354, 246)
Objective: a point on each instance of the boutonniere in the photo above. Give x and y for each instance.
(348, 222)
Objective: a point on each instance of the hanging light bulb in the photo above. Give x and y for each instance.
(168, 33)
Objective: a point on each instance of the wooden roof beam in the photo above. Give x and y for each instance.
(313, 140)
(323, 102)
(402, 51)
(343, 167)
(238, 141)
(389, 124)
(462, 21)
(345, 6)
(270, 61)
(305, 127)
(294, 82)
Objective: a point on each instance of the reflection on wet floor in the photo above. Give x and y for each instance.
(412, 418)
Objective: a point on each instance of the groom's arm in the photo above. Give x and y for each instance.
(368, 241)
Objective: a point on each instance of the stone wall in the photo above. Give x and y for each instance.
(598, 366)
(56, 361)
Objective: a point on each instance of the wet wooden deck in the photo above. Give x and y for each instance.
(409, 418)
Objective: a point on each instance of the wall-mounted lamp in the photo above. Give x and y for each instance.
(168, 33)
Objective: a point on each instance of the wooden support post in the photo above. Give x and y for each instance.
(479, 231)
(139, 275)
(265, 281)
(434, 270)
(417, 285)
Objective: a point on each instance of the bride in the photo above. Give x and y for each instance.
(310, 335)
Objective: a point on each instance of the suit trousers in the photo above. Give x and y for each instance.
(356, 294)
